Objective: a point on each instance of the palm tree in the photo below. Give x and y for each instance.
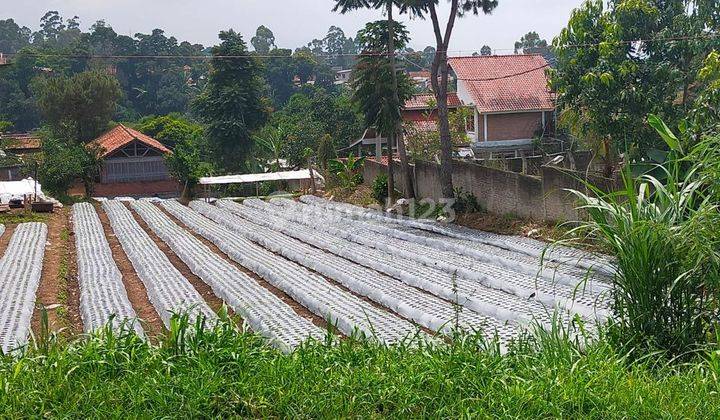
(405, 6)
(373, 82)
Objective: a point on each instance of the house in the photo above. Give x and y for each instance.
(17, 148)
(510, 96)
(342, 76)
(133, 165)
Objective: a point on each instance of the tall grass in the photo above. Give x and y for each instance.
(220, 372)
(665, 236)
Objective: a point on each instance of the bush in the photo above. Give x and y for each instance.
(380, 188)
(466, 202)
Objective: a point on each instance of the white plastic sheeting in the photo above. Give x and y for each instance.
(20, 271)
(427, 310)
(467, 293)
(167, 289)
(262, 311)
(526, 246)
(512, 260)
(103, 297)
(488, 275)
(350, 314)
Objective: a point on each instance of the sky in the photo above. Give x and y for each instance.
(295, 22)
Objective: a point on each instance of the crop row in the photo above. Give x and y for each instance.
(20, 271)
(103, 297)
(425, 309)
(350, 314)
(264, 312)
(527, 246)
(168, 290)
(476, 283)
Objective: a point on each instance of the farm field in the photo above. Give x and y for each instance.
(286, 270)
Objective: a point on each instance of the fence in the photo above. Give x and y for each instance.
(541, 197)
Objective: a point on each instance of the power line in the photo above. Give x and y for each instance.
(450, 53)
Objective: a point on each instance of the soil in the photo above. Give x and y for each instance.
(5, 238)
(54, 288)
(203, 288)
(137, 294)
(298, 308)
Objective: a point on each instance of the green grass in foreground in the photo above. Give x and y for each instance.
(223, 373)
(22, 217)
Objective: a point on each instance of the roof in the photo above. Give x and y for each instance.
(422, 126)
(121, 136)
(23, 141)
(421, 101)
(505, 83)
(424, 74)
(269, 176)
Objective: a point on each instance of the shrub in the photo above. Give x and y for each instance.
(380, 188)
(466, 202)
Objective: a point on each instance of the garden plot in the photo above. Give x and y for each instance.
(523, 246)
(405, 256)
(363, 233)
(349, 313)
(512, 260)
(20, 270)
(469, 294)
(427, 310)
(103, 297)
(263, 311)
(167, 289)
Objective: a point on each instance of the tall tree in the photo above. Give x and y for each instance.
(378, 88)
(411, 8)
(264, 40)
(231, 105)
(531, 43)
(439, 74)
(82, 104)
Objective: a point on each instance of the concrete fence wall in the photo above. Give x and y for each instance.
(502, 192)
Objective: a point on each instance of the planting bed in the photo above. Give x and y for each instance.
(289, 270)
(20, 270)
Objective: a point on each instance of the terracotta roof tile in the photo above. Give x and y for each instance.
(422, 125)
(121, 136)
(421, 101)
(505, 83)
(21, 141)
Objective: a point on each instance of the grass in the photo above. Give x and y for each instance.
(22, 217)
(224, 374)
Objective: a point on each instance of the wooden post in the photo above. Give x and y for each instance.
(312, 177)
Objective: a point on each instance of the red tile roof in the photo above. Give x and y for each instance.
(384, 159)
(505, 83)
(24, 141)
(421, 101)
(121, 136)
(419, 74)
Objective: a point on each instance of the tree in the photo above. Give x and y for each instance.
(13, 37)
(411, 8)
(170, 129)
(530, 43)
(264, 40)
(379, 89)
(188, 162)
(439, 74)
(279, 71)
(325, 151)
(485, 50)
(425, 144)
(606, 87)
(83, 103)
(231, 104)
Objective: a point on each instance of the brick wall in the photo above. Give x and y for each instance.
(502, 192)
(513, 126)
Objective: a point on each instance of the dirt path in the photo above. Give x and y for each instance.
(298, 308)
(5, 238)
(203, 288)
(56, 285)
(137, 294)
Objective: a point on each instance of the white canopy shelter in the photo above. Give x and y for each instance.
(250, 178)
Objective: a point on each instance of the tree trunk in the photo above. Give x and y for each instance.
(440, 68)
(390, 170)
(409, 192)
